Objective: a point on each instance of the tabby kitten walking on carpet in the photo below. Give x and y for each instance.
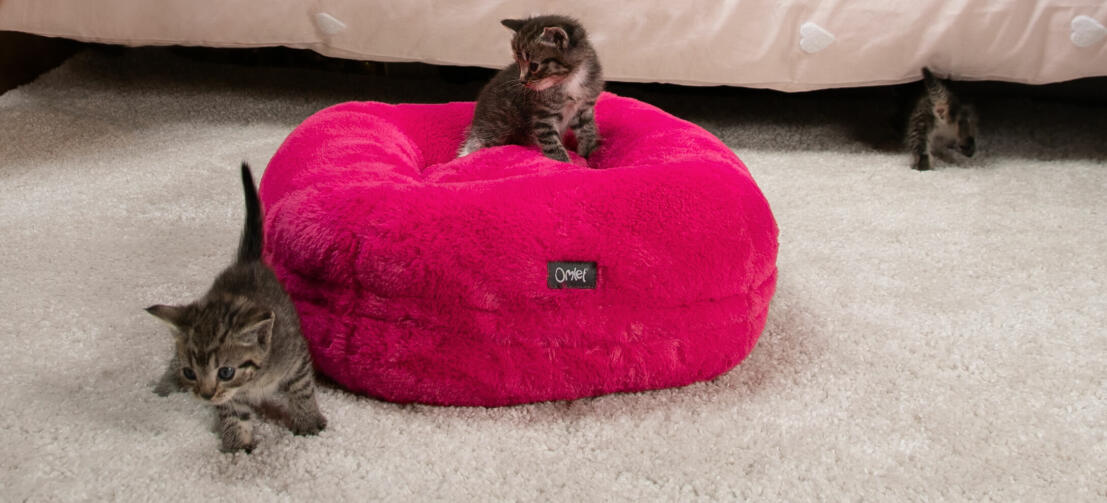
(939, 123)
(240, 345)
(552, 85)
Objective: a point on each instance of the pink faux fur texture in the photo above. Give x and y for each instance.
(422, 278)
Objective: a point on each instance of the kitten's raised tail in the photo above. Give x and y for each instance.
(933, 84)
(249, 247)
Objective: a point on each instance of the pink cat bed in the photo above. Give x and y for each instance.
(504, 277)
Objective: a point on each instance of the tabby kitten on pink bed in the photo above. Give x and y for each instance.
(552, 85)
(239, 347)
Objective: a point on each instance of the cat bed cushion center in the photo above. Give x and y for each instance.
(504, 277)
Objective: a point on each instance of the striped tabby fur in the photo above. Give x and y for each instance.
(552, 86)
(240, 345)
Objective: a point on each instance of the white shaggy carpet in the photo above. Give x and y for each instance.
(935, 336)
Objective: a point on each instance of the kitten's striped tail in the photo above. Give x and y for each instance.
(933, 85)
(249, 247)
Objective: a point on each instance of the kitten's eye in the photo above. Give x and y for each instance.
(533, 66)
(226, 373)
(189, 374)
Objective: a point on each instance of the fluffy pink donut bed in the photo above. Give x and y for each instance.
(424, 278)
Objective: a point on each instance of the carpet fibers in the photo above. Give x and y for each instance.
(934, 336)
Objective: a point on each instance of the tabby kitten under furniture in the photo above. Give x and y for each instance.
(939, 123)
(553, 84)
(240, 345)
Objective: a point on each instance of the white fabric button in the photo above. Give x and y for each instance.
(1086, 31)
(328, 24)
(813, 38)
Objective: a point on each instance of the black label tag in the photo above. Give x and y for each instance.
(571, 275)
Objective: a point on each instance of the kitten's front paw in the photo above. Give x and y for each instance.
(237, 437)
(471, 145)
(585, 147)
(168, 387)
(947, 156)
(922, 164)
(308, 426)
(233, 446)
(557, 155)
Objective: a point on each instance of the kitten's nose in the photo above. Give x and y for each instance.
(206, 395)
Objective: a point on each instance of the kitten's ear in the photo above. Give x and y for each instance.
(513, 24)
(257, 329)
(555, 36)
(577, 33)
(174, 316)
